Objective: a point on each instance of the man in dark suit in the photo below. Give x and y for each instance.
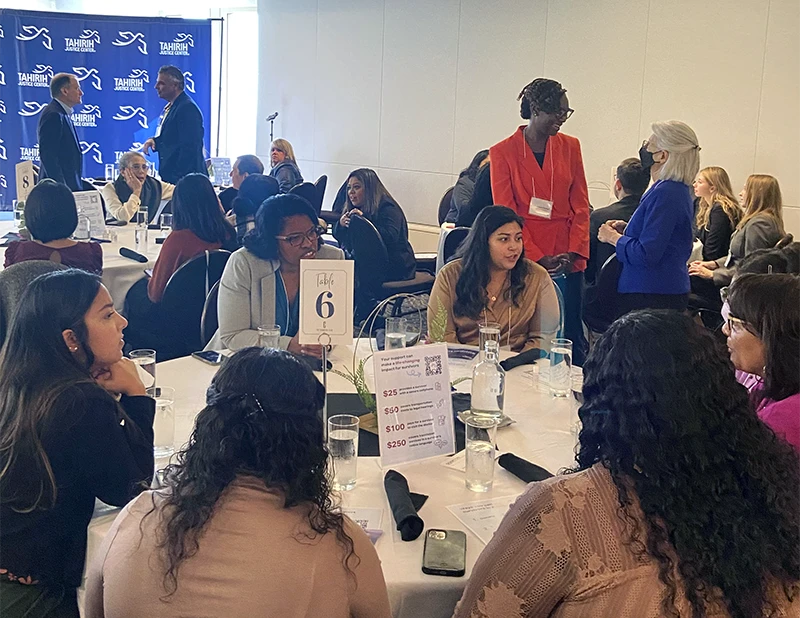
(179, 136)
(59, 147)
(244, 166)
(630, 183)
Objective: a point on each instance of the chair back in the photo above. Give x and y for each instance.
(14, 280)
(453, 241)
(185, 298)
(559, 281)
(307, 190)
(369, 252)
(321, 184)
(444, 204)
(601, 305)
(209, 321)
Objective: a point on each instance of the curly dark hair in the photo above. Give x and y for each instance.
(718, 490)
(770, 307)
(471, 297)
(542, 95)
(261, 420)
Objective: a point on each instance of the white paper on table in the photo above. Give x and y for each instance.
(366, 517)
(414, 407)
(90, 205)
(482, 518)
(326, 302)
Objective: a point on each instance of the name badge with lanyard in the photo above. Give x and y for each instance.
(539, 207)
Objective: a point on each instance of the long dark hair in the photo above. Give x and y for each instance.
(472, 170)
(261, 420)
(374, 191)
(471, 298)
(270, 219)
(770, 308)
(664, 414)
(37, 370)
(195, 207)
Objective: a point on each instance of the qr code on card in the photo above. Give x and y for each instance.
(433, 366)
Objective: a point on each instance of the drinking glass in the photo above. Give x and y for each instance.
(164, 422)
(110, 176)
(561, 368)
(343, 449)
(490, 331)
(395, 333)
(83, 231)
(166, 224)
(269, 336)
(145, 360)
(480, 440)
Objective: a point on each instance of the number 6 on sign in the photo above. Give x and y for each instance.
(326, 302)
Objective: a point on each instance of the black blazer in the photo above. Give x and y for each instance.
(180, 144)
(59, 149)
(599, 252)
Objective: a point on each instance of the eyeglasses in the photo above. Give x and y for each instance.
(738, 322)
(142, 168)
(564, 113)
(295, 240)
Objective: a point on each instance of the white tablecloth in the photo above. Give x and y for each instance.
(543, 433)
(119, 273)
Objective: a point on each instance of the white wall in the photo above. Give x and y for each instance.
(414, 88)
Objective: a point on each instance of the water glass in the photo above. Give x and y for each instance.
(561, 368)
(145, 360)
(395, 333)
(166, 224)
(83, 231)
(490, 331)
(269, 336)
(480, 441)
(110, 176)
(164, 423)
(343, 449)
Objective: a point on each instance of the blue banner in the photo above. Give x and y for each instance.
(116, 60)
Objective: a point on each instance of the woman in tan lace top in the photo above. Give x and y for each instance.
(682, 504)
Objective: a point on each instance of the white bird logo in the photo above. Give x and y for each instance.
(2, 76)
(140, 74)
(2, 107)
(31, 108)
(2, 34)
(126, 112)
(2, 151)
(83, 73)
(94, 148)
(3, 181)
(189, 81)
(136, 146)
(44, 69)
(32, 32)
(126, 37)
(184, 38)
(94, 35)
(92, 109)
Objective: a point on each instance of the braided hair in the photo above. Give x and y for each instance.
(540, 95)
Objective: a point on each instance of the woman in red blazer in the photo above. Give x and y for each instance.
(539, 173)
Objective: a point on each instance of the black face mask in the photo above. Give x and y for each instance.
(646, 158)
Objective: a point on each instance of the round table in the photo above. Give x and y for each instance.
(119, 273)
(543, 433)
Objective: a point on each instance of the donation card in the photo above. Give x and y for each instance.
(414, 407)
(483, 518)
(326, 302)
(90, 205)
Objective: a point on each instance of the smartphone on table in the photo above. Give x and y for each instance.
(445, 553)
(210, 357)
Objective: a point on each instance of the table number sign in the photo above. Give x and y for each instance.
(25, 183)
(326, 302)
(415, 411)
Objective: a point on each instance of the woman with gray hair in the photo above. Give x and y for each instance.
(134, 189)
(654, 246)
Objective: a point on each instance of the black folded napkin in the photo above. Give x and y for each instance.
(523, 469)
(404, 505)
(523, 358)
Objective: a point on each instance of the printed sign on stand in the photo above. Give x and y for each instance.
(326, 302)
(415, 411)
(25, 180)
(90, 205)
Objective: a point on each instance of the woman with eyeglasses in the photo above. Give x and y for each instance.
(654, 246)
(261, 282)
(538, 172)
(135, 189)
(763, 329)
(246, 524)
(681, 503)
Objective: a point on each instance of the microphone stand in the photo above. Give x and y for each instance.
(271, 119)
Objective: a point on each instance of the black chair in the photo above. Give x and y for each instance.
(372, 264)
(308, 191)
(14, 280)
(184, 299)
(209, 320)
(452, 242)
(601, 306)
(333, 215)
(321, 185)
(444, 204)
